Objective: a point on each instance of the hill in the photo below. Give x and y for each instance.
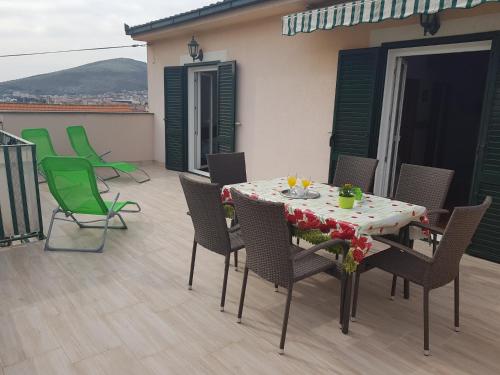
(114, 75)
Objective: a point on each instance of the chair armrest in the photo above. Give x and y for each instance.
(432, 228)
(304, 253)
(106, 153)
(438, 211)
(111, 211)
(403, 248)
(234, 228)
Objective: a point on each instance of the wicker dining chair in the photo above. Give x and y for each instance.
(440, 269)
(270, 253)
(228, 169)
(355, 170)
(422, 186)
(209, 222)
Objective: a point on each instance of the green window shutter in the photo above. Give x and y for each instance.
(226, 106)
(175, 118)
(360, 75)
(487, 169)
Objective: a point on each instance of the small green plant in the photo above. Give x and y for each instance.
(347, 191)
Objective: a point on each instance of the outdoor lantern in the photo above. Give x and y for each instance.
(194, 50)
(430, 23)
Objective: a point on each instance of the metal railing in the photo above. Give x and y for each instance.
(20, 211)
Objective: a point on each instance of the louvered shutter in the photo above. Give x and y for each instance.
(487, 171)
(175, 118)
(357, 104)
(226, 106)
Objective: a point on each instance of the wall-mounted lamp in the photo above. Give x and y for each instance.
(194, 50)
(430, 23)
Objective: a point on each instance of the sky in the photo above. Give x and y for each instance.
(45, 25)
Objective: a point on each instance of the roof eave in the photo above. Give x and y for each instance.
(191, 16)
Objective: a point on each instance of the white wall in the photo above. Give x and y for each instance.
(128, 135)
(286, 85)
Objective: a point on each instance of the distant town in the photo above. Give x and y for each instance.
(105, 82)
(136, 99)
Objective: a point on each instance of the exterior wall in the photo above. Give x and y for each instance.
(128, 135)
(286, 85)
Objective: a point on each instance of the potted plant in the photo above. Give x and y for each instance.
(346, 196)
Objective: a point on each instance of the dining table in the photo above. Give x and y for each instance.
(371, 216)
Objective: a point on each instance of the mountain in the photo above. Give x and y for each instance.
(114, 75)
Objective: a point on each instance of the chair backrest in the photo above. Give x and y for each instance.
(80, 143)
(41, 138)
(267, 238)
(355, 170)
(227, 168)
(456, 238)
(73, 185)
(424, 186)
(207, 213)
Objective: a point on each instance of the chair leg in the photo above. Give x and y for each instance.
(426, 322)
(276, 288)
(98, 249)
(355, 296)
(224, 283)
(285, 319)
(457, 304)
(242, 296)
(236, 260)
(191, 271)
(393, 287)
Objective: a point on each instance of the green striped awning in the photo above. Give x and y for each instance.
(367, 11)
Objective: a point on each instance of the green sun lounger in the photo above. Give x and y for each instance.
(44, 147)
(73, 185)
(81, 145)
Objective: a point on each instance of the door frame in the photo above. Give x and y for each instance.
(389, 126)
(193, 113)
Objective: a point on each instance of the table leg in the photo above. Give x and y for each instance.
(409, 243)
(346, 313)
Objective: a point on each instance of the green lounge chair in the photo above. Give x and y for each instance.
(73, 185)
(80, 143)
(44, 147)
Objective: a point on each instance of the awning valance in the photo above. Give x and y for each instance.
(367, 11)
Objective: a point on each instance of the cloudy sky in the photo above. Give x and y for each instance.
(45, 25)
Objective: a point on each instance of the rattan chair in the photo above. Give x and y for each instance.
(440, 269)
(355, 170)
(423, 186)
(270, 253)
(228, 169)
(209, 222)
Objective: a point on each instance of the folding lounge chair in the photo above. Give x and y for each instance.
(73, 185)
(44, 147)
(81, 145)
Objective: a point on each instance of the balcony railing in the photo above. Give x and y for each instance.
(20, 212)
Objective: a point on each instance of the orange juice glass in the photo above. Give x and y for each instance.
(292, 181)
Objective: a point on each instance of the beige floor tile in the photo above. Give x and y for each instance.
(117, 361)
(141, 330)
(51, 363)
(82, 333)
(35, 335)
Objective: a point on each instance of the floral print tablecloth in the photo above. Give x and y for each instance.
(372, 215)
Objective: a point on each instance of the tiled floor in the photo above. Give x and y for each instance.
(128, 310)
